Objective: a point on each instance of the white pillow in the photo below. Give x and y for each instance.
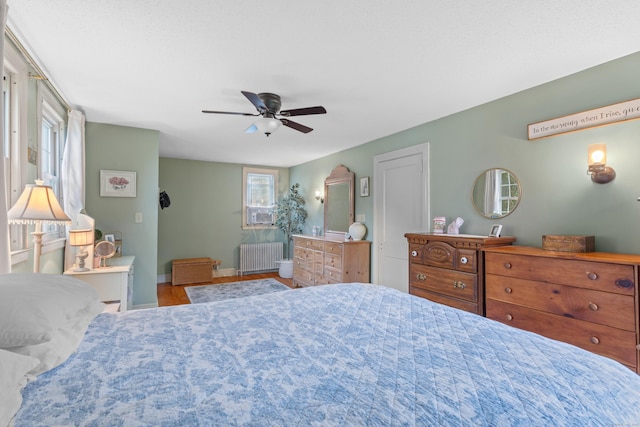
(13, 377)
(34, 306)
(63, 343)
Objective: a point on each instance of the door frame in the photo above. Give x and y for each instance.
(422, 149)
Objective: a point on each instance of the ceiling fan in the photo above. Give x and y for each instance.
(268, 106)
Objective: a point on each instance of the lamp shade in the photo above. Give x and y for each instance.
(37, 203)
(81, 237)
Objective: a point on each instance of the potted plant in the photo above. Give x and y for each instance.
(290, 218)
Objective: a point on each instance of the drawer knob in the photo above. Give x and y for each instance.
(459, 285)
(464, 260)
(592, 276)
(508, 317)
(507, 265)
(508, 290)
(421, 276)
(624, 283)
(595, 340)
(593, 306)
(414, 253)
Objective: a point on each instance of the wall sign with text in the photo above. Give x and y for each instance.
(614, 113)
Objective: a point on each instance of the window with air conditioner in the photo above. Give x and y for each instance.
(258, 197)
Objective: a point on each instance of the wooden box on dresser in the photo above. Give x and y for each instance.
(589, 299)
(449, 269)
(320, 261)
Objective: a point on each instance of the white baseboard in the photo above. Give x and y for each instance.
(224, 272)
(164, 278)
(142, 306)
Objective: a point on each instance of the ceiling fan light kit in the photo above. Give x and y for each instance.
(266, 125)
(268, 106)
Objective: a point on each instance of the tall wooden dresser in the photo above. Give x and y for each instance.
(320, 261)
(449, 268)
(586, 299)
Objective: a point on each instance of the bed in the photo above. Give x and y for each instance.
(347, 354)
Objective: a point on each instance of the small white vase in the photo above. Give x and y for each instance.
(357, 230)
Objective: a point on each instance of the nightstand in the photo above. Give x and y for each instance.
(113, 283)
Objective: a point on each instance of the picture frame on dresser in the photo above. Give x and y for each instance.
(496, 229)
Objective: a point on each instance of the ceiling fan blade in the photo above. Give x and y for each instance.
(251, 129)
(229, 112)
(255, 100)
(296, 126)
(303, 111)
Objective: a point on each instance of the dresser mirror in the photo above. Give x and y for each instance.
(338, 202)
(496, 193)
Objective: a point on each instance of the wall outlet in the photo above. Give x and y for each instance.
(138, 218)
(360, 218)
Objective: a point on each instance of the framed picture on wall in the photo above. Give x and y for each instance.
(117, 183)
(364, 186)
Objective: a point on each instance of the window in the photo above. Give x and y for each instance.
(14, 89)
(509, 192)
(50, 150)
(258, 197)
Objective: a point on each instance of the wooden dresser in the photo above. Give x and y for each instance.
(449, 269)
(586, 299)
(320, 261)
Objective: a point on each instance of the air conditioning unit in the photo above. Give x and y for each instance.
(260, 215)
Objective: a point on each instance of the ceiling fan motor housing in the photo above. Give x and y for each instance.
(271, 101)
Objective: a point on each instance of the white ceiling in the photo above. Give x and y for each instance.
(377, 66)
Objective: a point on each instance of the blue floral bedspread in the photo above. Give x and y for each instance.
(348, 354)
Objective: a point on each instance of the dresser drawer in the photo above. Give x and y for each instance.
(415, 253)
(448, 282)
(332, 275)
(601, 276)
(332, 260)
(604, 308)
(604, 340)
(451, 302)
(333, 248)
(439, 254)
(302, 275)
(308, 243)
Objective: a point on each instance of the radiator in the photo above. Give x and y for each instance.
(256, 257)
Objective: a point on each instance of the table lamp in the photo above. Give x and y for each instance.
(81, 238)
(37, 205)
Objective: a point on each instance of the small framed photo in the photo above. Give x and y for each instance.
(364, 186)
(110, 238)
(495, 230)
(117, 183)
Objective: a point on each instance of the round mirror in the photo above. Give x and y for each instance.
(496, 193)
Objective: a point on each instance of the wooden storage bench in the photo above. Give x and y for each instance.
(192, 270)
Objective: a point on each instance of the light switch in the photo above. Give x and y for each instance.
(138, 217)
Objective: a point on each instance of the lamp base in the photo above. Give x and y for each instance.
(81, 257)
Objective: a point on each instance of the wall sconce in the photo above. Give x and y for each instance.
(319, 195)
(598, 169)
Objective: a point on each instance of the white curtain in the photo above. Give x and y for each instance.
(72, 175)
(492, 205)
(5, 254)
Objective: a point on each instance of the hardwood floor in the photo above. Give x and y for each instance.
(175, 295)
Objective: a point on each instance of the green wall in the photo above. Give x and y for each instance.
(205, 216)
(558, 196)
(129, 149)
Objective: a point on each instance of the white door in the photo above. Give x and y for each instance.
(401, 205)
